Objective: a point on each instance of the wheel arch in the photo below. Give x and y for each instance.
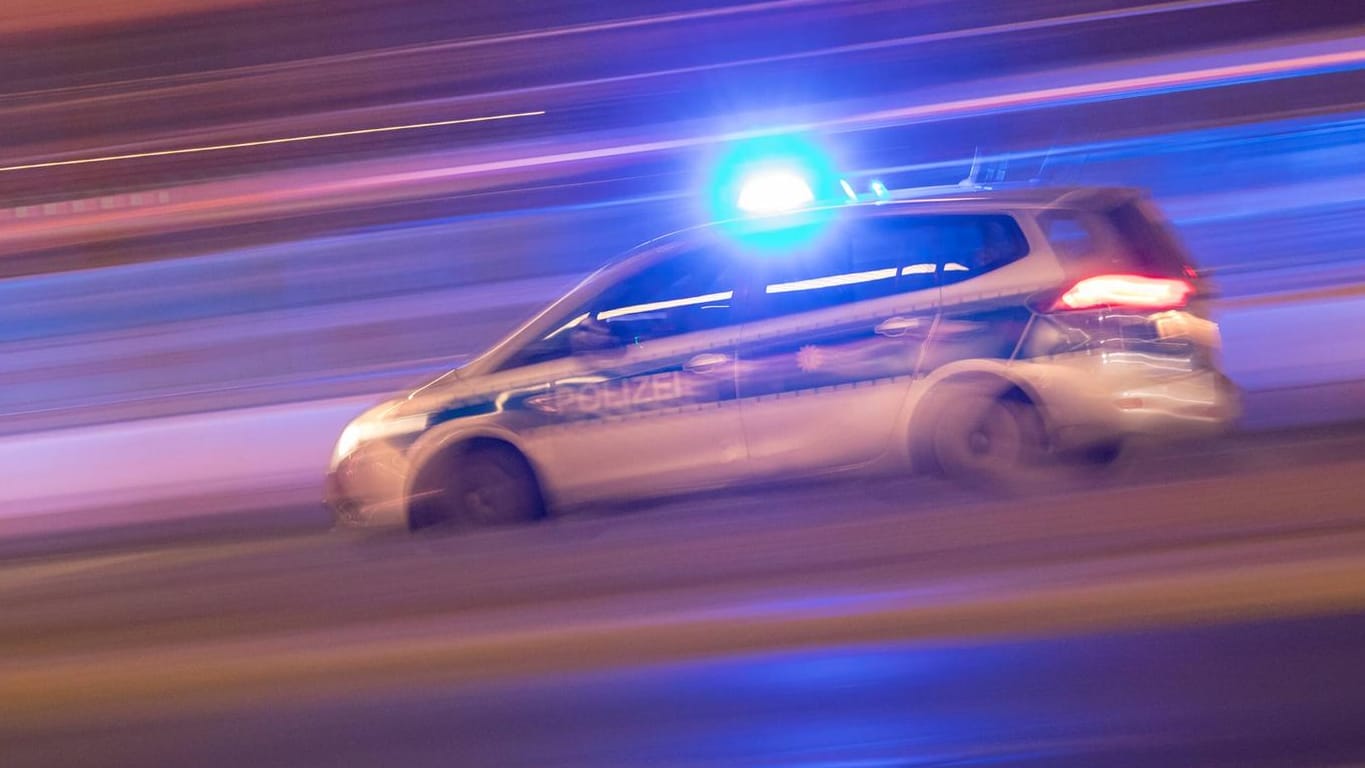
(441, 444)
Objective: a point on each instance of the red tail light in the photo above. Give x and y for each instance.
(1128, 291)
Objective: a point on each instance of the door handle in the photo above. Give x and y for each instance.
(898, 326)
(706, 362)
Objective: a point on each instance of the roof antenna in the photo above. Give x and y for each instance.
(971, 180)
(1041, 176)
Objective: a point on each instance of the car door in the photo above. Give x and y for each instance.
(834, 339)
(649, 407)
(986, 281)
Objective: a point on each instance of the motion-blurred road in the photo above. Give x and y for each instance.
(1213, 618)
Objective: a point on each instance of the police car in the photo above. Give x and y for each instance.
(995, 336)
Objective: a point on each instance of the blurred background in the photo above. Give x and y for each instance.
(227, 226)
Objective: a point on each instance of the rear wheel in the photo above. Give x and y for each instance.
(482, 484)
(985, 440)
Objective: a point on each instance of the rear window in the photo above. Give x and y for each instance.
(1124, 239)
(1152, 246)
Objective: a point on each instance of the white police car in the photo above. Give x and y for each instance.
(991, 335)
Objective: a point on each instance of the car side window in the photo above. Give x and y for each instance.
(805, 278)
(866, 259)
(686, 293)
(965, 247)
(898, 243)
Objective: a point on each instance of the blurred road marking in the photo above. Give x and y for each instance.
(22, 575)
(265, 142)
(89, 205)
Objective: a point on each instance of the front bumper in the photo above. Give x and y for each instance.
(368, 489)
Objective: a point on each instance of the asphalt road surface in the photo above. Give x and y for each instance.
(1203, 607)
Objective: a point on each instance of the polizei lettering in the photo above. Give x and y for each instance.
(623, 395)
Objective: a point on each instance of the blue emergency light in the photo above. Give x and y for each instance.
(766, 175)
(774, 191)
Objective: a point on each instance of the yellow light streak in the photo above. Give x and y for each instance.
(266, 142)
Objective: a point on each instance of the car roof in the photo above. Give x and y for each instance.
(910, 202)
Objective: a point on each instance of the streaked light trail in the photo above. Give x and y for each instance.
(266, 142)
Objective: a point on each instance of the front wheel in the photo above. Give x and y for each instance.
(478, 485)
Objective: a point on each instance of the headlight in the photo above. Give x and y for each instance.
(374, 427)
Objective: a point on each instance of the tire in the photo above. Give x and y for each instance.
(991, 441)
(479, 485)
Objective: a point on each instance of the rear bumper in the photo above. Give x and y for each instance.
(1200, 405)
(1093, 401)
